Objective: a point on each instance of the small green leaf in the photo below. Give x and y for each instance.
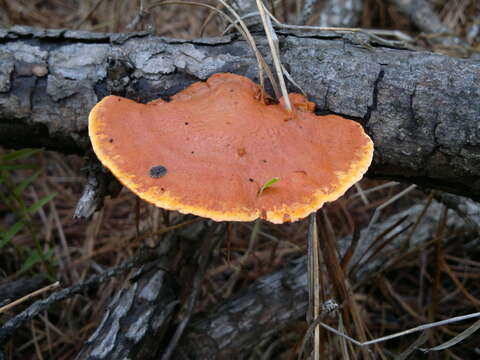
(35, 258)
(16, 166)
(37, 205)
(19, 189)
(268, 184)
(7, 236)
(20, 154)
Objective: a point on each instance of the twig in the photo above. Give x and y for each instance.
(100, 183)
(17, 288)
(29, 296)
(7, 330)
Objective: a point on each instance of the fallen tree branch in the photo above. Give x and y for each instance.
(18, 288)
(137, 319)
(100, 183)
(138, 323)
(10, 326)
(420, 108)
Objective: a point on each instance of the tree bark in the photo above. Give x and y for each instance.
(421, 109)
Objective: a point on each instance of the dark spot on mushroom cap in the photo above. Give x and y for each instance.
(193, 152)
(264, 161)
(186, 123)
(119, 99)
(157, 171)
(162, 189)
(110, 140)
(250, 179)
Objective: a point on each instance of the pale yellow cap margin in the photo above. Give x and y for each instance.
(295, 211)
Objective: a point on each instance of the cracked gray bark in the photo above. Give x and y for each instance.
(100, 183)
(421, 109)
(138, 322)
(238, 325)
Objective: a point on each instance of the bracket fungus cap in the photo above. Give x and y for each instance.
(211, 148)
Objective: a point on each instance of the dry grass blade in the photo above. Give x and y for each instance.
(208, 19)
(275, 51)
(290, 78)
(364, 241)
(242, 29)
(405, 332)
(343, 342)
(340, 284)
(460, 337)
(414, 346)
(374, 34)
(88, 14)
(229, 286)
(29, 296)
(313, 282)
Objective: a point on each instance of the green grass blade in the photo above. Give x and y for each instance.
(20, 188)
(37, 205)
(35, 258)
(16, 166)
(10, 233)
(20, 154)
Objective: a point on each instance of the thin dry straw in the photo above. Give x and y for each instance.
(443, 346)
(29, 296)
(372, 33)
(274, 49)
(243, 29)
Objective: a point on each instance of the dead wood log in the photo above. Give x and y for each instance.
(140, 321)
(276, 300)
(138, 317)
(421, 109)
(8, 329)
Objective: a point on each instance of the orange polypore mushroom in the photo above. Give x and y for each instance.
(210, 150)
